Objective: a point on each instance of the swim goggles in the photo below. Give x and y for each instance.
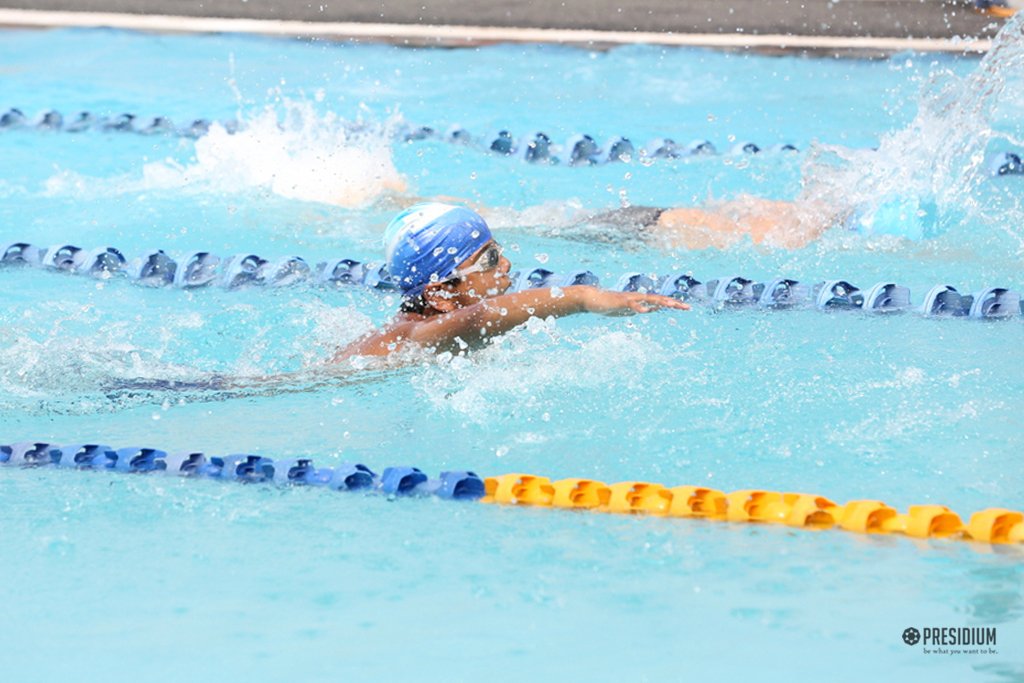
(487, 261)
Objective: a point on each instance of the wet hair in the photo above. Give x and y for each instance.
(414, 304)
(418, 303)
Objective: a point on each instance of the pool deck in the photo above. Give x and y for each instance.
(815, 25)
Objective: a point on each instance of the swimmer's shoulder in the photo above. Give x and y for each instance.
(383, 341)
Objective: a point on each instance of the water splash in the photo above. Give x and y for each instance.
(49, 364)
(62, 373)
(514, 379)
(303, 156)
(327, 328)
(934, 169)
(9, 189)
(297, 155)
(550, 215)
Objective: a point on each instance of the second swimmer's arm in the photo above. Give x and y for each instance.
(474, 324)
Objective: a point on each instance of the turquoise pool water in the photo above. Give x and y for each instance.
(162, 578)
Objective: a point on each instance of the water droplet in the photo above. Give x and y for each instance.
(541, 258)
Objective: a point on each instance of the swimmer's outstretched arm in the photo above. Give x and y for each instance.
(473, 325)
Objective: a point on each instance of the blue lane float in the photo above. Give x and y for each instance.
(579, 149)
(1006, 163)
(84, 456)
(85, 121)
(781, 293)
(244, 468)
(582, 149)
(191, 270)
(29, 454)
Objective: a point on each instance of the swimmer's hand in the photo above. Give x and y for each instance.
(607, 302)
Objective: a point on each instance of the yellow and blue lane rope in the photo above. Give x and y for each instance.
(994, 525)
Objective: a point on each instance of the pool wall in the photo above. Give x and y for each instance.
(855, 27)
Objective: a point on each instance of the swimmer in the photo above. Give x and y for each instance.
(454, 279)
(719, 225)
(780, 224)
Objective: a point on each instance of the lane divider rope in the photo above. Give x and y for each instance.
(799, 510)
(580, 149)
(192, 270)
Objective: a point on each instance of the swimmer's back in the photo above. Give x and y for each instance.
(632, 218)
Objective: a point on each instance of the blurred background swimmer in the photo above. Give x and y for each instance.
(719, 224)
(454, 279)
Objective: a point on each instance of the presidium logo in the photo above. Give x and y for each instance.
(973, 640)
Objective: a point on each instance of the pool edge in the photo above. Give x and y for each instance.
(473, 36)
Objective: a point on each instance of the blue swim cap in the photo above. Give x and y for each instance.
(427, 242)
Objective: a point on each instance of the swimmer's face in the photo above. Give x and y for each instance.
(484, 274)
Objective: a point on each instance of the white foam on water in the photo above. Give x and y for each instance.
(9, 189)
(546, 216)
(306, 156)
(532, 370)
(938, 162)
(299, 155)
(328, 328)
(64, 365)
